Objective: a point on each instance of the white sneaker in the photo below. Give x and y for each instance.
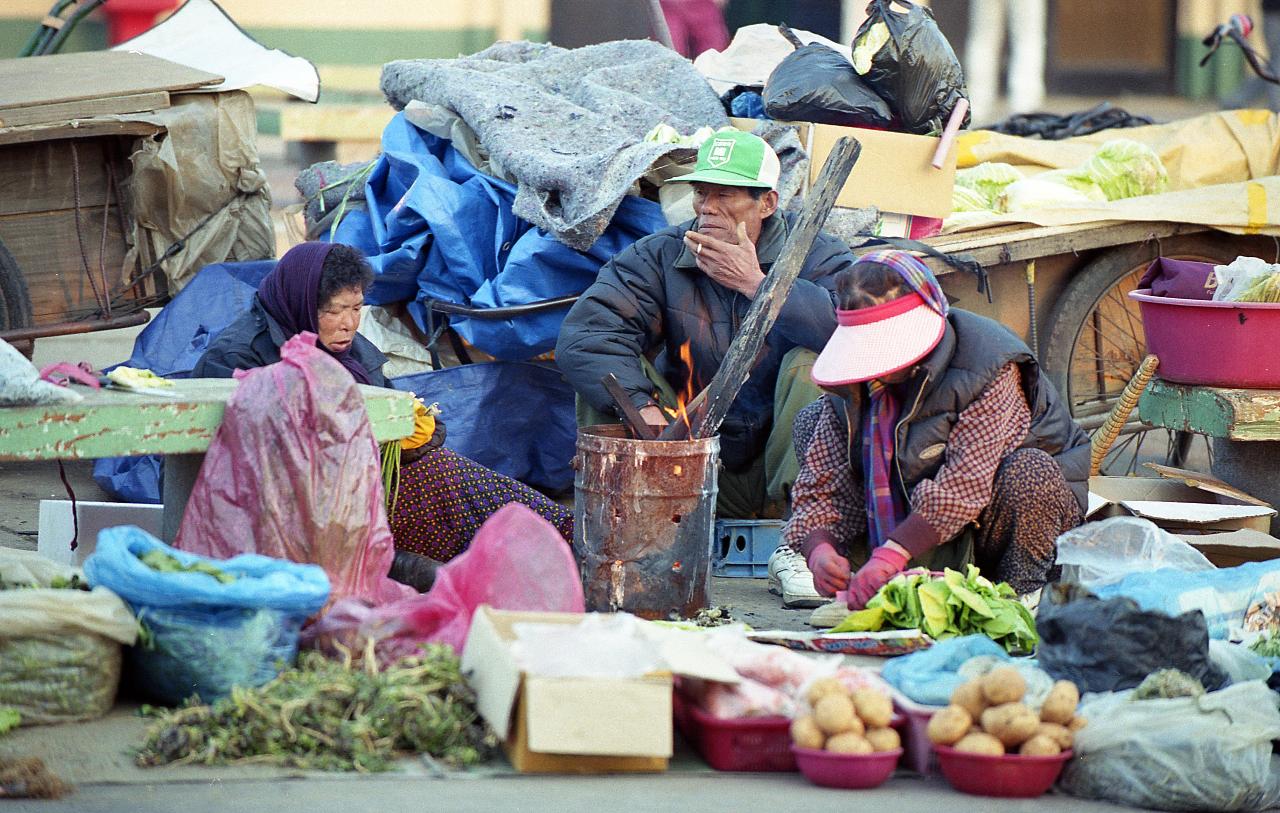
(828, 615)
(790, 578)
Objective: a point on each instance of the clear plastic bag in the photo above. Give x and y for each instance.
(20, 383)
(1211, 752)
(59, 648)
(1102, 553)
(293, 472)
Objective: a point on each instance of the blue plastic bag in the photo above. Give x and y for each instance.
(931, 675)
(203, 636)
(1223, 594)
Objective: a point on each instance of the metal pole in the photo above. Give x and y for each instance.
(658, 24)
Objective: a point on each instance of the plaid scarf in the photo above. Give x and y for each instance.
(884, 505)
(885, 508)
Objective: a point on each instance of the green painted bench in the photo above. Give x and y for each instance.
(116, 423)
(1219, 412)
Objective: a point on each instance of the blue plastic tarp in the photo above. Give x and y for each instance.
(437, 229)
(514, 417)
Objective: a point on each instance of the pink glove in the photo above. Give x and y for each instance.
(830, 569)
(884, 564)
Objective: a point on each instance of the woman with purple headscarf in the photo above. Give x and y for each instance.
(443, 497)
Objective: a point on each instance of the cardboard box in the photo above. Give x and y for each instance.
(57, 527)
(1179, 500)
(565, 725)
(893, 173)
(1234, 547)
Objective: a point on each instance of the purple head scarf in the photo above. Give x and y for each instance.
(290, 294)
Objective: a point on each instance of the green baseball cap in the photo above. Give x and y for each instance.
(735, 158)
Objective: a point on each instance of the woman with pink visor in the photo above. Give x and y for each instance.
(940, 442)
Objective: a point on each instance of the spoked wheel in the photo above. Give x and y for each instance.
(1094, 343)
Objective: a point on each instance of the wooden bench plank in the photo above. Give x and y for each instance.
(114, 423)
(1234, 414)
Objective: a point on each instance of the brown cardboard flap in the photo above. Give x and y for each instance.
(1195, 479)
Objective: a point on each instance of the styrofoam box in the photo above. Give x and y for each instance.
(56, 527)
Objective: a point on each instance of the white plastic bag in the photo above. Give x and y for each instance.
(1235, 278)
(1102, 553)
(20, 383)
(1211, 752)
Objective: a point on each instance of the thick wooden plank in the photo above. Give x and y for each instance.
(43, 80)
(63, 130)
(84, 108)
(1002, 245)
(38, 177)
(111, 423)
(46, 248)
(1234, 414)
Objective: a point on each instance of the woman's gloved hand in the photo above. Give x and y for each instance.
(830, 569)
(886, 561)
(426, 427)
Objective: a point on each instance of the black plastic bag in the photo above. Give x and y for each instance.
(915, 70)
(1107, 645)
(816, 83)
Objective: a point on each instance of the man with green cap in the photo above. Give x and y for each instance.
(662, 314)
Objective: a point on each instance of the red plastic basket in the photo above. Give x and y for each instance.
(1011, 776)
(1215, 344)
(757, 744)
(849, 771)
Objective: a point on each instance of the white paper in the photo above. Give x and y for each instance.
(755, 51)
(1193, 511)
(200, 35)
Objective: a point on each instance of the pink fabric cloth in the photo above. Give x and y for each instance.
(696, 26)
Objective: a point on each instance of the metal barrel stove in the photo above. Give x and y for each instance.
(644, 515)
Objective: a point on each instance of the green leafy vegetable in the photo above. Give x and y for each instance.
(9, 719)
(1123, 168)
(951, 605)
(988, 179)
(162, 562)
(1267, 646)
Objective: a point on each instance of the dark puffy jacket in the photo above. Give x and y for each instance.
(254, 340)
(971, 354)
(651, 299)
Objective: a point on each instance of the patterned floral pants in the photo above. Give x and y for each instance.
(444, 498)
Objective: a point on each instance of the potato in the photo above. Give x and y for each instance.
(1076, 724)
(875, 709)
(849, 743)
(834, 714)
(1058, 733)
(980, 743)
(806, 734)
(1060, 706)
(822, 687)
(1039, 746)
(1011, 723)
(969, 697)
(1003, 685)
(948, 725)
(884, 739)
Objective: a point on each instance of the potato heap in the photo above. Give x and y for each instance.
(845, 723)
(987, 716)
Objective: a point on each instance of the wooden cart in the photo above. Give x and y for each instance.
(67, 259)
(1064, 289)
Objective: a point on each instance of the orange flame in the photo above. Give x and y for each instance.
(685, 397)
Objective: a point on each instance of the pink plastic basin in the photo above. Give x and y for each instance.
(851, 771)
(1011, 776)
(1216, 344)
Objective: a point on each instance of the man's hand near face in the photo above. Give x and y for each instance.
(731, 263)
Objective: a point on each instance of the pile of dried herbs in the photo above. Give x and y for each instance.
(332, 715)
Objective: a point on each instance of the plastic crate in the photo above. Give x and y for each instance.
(919, 755)
(756, 744)
(742, 547)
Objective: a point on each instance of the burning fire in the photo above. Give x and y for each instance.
(687, 395)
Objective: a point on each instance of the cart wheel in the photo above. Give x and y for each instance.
(15, 303)
(1094, 342)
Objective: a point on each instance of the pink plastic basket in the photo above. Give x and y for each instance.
(1217, 344)
(1011, 776)
(851, 771)
(915, 717)
(756, 744)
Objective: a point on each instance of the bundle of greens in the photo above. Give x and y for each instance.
(73, 582)
(332, 715)
(948, 606)
(162, 562)
(1268, 646)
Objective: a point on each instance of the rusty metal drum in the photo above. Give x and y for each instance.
(644, 515)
